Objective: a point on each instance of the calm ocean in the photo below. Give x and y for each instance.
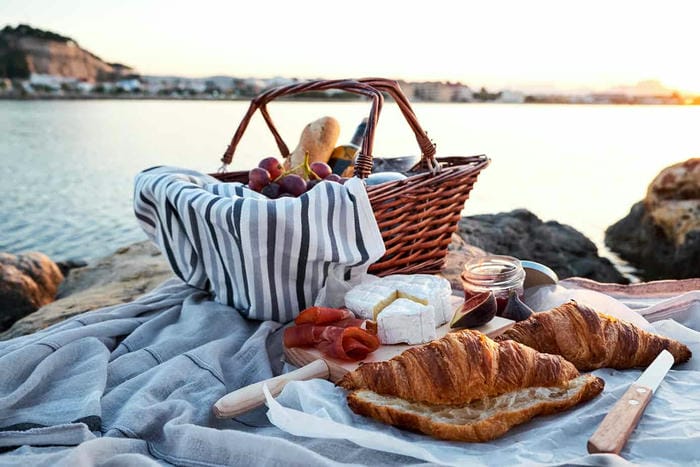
(68, 166)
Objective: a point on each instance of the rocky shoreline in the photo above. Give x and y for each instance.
(119, 278)
(660, 237)
(136, 269)
(661, 234)
(522, 234)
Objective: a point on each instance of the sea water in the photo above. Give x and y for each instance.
(67, 167)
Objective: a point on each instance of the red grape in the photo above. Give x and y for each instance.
(333, 178)
(272, 190)
(311, 183)
(321, 169)
(258, 179)
(273, 166)
(293, 184)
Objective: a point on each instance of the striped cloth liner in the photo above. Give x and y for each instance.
(266, 258)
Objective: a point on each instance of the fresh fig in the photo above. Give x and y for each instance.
(476, 311)
(515, 308)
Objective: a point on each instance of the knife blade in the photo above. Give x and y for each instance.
(617, 426)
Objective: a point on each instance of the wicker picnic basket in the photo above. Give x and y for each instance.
(416, 216)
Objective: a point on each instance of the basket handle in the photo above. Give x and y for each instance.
(369, 86)
(392, 88)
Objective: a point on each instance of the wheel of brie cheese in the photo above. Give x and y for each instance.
(425, 289)
(406, 321)
(407, 308)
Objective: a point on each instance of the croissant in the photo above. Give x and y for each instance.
(466, 387)
(592, 340)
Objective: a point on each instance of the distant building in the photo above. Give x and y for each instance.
(84, 87)
(279, 81)
(128, 85)
(462, 93)
(121, 71)
(511, 97)
(610, 98)
(52, 82)
(432, 91)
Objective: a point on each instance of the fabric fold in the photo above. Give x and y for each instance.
(266, 258)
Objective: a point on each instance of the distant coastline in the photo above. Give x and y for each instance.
(43, 65)
(232, 98)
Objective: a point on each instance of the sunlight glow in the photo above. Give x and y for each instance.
(591, 45)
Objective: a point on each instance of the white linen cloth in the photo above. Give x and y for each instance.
(668, 433)
(267, 258)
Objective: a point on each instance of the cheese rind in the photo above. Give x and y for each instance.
(425, 289)
(406, 321)
(367, 300)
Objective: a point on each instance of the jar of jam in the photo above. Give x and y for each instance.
(497, 273)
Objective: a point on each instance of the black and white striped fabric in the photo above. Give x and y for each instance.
(266, 258)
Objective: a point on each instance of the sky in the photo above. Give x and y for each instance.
(521, 45)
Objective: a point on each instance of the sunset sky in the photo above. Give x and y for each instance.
(527, 45)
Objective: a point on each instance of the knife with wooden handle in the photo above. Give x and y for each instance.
(252, 396)
(617, 426)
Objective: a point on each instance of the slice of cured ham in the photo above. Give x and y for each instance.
(348, 343)
(335, 332)
(322, 315)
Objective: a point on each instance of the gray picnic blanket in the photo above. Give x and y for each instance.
(134, 385)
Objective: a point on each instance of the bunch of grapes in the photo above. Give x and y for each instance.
(270, 178)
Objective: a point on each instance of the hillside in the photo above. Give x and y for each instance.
(25, 50)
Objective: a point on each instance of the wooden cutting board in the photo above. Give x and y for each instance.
(314, 364)
(301, 356)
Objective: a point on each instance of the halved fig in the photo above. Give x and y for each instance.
(476, 311)
(515, 308)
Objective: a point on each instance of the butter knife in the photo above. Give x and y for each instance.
(617, 426)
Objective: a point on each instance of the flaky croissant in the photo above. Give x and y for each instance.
(592, 340)
(466, 387)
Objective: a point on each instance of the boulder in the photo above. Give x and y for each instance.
(66, 265)
(522, 234)
(661, 234)
(138, 268)
(127, 274)
(673, 200)
(27, 282)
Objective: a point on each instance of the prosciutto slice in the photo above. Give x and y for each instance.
(335, 332)
(350, 343)
(322, 315)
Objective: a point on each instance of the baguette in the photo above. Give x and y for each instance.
(318, 139)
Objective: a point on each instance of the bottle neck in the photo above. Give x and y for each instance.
(359, 133)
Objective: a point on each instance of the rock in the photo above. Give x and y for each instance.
(48, 53)
(128, 273)
(522, 234)
(66, 265)
(673, 200)
(27, 282)
(661, 234)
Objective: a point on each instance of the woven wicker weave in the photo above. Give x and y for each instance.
(416, 216)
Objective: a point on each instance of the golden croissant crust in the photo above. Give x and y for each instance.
(592, 340)
(481, 420)
(459, 368)
(467, 387)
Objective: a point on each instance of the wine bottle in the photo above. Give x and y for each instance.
(342, 157)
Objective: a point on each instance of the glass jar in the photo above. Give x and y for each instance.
(497, 273)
